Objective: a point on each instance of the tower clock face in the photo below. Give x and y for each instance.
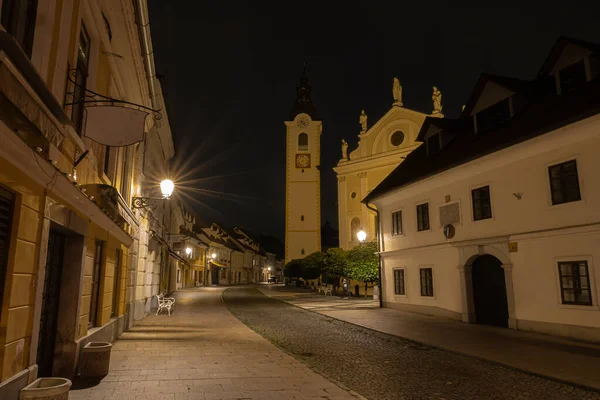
(302, 160)
(303, 121)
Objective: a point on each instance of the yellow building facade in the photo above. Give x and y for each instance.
(76, 255)
(381, 148)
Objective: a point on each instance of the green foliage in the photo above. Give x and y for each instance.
(293, 269)
(363, 263)
(335, 263)
(312, 265)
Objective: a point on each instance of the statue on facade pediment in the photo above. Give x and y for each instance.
(344, 150)
(397, 92)
(363, 121)
(437, 101)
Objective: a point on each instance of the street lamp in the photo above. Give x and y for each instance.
(361, 235)
(269, 269)
(188, 251)
(213, 256)
(166, 188)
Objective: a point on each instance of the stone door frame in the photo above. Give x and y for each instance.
(468, 253)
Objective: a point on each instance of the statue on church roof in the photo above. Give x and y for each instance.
(344, 150)
(363, 121)
(437, 101)
(397, 92)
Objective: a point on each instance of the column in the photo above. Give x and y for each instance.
(466, 286)
(342, 210)
(510, 295)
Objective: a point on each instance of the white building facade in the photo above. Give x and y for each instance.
(496, 218)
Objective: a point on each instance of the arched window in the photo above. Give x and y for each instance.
(303, 142)
(354, 228)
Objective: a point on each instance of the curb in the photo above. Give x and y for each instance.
(552, 378)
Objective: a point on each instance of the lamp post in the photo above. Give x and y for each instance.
(166, 188)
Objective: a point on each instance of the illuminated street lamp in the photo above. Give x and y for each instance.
(166, 188)
(213, 256)
(188, 251)
(269, 269)
(361, 235)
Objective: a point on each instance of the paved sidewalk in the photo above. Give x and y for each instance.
(202, 352)
(554, 357)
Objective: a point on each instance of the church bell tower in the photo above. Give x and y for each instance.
(303, 178)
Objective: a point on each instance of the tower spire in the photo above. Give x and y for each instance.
(304, 102)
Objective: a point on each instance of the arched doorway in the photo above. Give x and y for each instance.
(489, 291)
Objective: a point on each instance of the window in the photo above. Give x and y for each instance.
(426, 282)
(116, 277)
(83, 62)
(354, 228)
(18, 18)
(7, 205)
(482, 207)
(397, 138)
(572, 77)
(397, 223)
(107, 160)
(423, 217)
(575, 283)
(493, 116)
(399, 282)
(303, 142)
(564, 182)
(95, 284)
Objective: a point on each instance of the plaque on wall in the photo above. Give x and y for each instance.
(450, 214)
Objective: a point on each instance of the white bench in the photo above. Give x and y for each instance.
(164, 303)
(326, 289)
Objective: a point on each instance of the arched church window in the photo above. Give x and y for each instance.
(354, 228)
(303, 142)
(397, 138)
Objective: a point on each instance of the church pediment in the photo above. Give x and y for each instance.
(397, 129)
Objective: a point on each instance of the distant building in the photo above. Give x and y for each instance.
(495, 218)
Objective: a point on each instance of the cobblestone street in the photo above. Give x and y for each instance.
(201, 352)
(381, 366)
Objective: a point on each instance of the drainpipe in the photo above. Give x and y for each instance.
(379, 250)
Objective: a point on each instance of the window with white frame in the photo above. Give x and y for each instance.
(399, 288)
(397, 223)
(426, 275)
(564, 182)
(575, 283)
(423, 217)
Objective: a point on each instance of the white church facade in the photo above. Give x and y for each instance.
(495, 219)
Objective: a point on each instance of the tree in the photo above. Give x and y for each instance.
(312, 265)
(363, 264)
(335, 263)
(293, 269)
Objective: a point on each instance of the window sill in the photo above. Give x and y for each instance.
(593, 307)
(427, 297)
(400, 296)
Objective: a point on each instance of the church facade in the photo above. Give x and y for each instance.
(381, 148)
(303, 178)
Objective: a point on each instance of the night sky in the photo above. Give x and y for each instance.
(231, 69)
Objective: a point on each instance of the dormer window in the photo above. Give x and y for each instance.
(572, 77)
(494, 116)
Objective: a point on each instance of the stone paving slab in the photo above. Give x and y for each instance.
(545, 355)
(202, 352)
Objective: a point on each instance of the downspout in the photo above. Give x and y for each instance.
(143, 23)
(379, 250)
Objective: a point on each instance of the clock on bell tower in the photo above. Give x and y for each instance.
(303, 178)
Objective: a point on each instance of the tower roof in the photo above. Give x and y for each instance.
(304, 102)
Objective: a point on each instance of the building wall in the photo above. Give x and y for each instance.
(543, 234)
(303, 191)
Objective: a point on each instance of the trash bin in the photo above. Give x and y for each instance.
(47, 389)
(95, 359)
